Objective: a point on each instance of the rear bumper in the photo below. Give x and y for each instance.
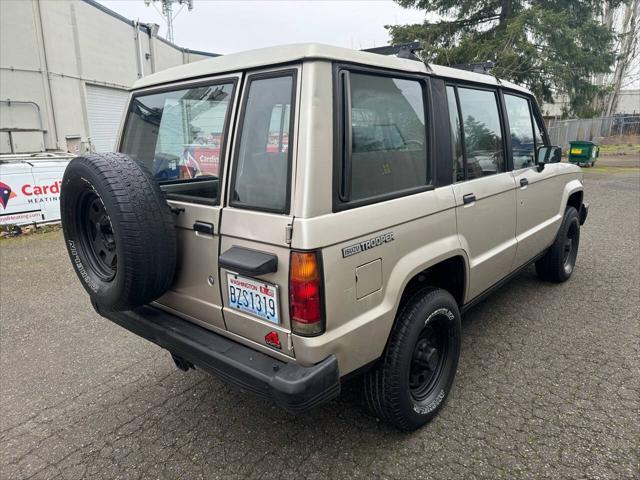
(584, 211)
(294, 387)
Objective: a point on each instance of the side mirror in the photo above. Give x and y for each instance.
(548, 154)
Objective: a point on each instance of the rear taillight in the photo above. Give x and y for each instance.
(305, 294)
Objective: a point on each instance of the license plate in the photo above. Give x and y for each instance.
(254, 297)
(576, 151)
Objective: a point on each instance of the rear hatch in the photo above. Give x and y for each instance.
(256, 222)
(223, 151)
(181, 133)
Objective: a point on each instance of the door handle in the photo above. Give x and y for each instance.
(203, 227)
(469, 198)
(524, 182)
(248, 262)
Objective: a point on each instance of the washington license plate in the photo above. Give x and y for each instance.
(254, 297)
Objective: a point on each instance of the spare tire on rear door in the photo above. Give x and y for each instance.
(119, 230)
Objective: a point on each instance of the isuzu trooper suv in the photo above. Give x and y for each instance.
(290, 217)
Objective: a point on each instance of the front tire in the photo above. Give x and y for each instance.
(414, 376)
(558, 263)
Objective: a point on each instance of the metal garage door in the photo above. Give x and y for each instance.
(104, 109)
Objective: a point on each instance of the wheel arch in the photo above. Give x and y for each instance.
(575, 200)
(450, 274)
(572, 195)
(435, 273)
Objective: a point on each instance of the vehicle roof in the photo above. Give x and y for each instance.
(38, 157)
(265, 57)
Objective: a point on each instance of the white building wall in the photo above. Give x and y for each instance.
(628, 102)
(50, 51)
(165, 55)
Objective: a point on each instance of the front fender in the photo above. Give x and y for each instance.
(570, 188)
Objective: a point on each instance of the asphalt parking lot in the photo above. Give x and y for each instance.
(548, 384)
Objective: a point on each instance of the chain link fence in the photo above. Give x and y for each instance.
(603, 130)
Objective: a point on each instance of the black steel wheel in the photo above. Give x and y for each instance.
(119, 230)
(96, 235)
(410, 383)
(428, 358)
(559, 261)
(570, 247)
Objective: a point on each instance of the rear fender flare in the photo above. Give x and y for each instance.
(413, 263)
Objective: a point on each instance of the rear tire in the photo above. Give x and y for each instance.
(558, 263)
(411, 382)
(118, 229)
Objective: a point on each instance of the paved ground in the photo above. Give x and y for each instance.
(548, 383)
(619, 161)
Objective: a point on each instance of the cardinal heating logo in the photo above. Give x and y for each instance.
(5, 194)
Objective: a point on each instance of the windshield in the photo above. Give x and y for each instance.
(180, 135)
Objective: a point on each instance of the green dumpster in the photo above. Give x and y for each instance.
(583, 153)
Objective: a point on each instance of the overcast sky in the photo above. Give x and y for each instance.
(232, 26)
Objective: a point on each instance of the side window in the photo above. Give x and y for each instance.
(262, 165)
(180, 136)
(537, 133)
(482, 134)
(387, 151)
(456, 136)
(523, 145)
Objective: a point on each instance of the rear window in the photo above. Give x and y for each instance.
(384, 153)
(263, 159)
(180, 136)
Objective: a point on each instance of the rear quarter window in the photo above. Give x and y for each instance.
(384, 147)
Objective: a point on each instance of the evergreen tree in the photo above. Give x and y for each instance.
(552, 47)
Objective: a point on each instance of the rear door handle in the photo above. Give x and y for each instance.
(524, 182)
(248, 262)
(469, 198)
(203, 227)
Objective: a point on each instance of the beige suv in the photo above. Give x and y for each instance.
(291, 217)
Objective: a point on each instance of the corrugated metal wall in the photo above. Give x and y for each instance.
(104, 110)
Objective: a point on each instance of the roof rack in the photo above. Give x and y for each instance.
(483, 67)
(402, 50)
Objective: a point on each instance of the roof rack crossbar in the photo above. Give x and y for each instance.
(401, 50)
(482, 67)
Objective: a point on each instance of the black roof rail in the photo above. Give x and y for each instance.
(402, 50)
(482, 67)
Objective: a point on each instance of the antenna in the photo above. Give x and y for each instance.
(167, 12)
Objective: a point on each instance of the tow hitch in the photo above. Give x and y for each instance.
(181, 363)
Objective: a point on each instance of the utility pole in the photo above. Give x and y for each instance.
(167, 12)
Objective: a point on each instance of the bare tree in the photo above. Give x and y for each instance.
(609, 16)
(628, 53)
